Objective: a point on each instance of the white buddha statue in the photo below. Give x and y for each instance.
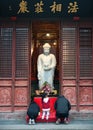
(46, 64)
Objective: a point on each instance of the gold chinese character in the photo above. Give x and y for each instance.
(56, 7)
(73, 7)
(39, 8)
(23, 7)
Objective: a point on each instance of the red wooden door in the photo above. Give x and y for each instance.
(76, 75)
(14, 66)
(85, 77)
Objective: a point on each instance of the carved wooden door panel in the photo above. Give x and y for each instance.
(14, 67)
(6, 35)
(77, 67)
(85, 69)
(69, 65)
(21, 79)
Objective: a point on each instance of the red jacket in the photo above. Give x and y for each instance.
(46, 103)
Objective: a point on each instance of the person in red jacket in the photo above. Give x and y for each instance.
(45, 106)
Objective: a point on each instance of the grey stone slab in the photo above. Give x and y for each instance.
(22, 125)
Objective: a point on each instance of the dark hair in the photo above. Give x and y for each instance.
(44, 95)
(32, 98)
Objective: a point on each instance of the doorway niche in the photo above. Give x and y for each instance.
(44, 32)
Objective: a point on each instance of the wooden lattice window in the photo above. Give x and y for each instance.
(6, 52)
(69, 52)
(85, 40)
(22, 61)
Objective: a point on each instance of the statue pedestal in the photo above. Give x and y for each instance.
(39, 92)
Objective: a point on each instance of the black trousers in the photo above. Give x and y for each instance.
(33, 116)
(62, 115)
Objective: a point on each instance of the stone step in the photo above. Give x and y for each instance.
(22, 115)
(22, 125)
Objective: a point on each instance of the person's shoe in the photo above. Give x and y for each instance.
(29, 122)
(47, 117)
(33, 122)
(66, 120)
(42, 117)
(58, 121)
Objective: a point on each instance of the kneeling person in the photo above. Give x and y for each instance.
(33, 111)
(62, 107)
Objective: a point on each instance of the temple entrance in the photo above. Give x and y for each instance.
(18, 66)
(74, 64)
(44, 32)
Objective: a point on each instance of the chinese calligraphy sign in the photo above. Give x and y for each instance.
(46, 8)
(54, 7)
(23, 7)
(73, 7)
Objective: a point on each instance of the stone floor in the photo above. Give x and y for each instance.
(22, 125)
